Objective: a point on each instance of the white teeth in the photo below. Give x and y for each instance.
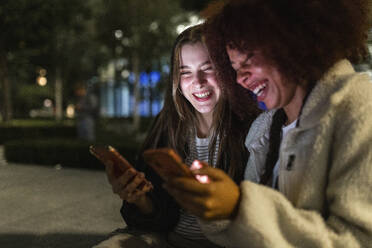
(202, 95)
(258, 90)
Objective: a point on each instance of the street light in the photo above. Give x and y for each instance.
(42, 81)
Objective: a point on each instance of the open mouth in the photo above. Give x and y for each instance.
(202, 95)
(259, 89)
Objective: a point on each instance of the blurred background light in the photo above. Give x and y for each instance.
(192, 21)
(48, 103)
(118, 34)
(125, 74)
(42, 81)
(70, 111)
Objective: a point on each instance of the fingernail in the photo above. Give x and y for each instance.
(202, 178)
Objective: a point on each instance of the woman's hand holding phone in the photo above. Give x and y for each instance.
(130, 187)
(217, 199)
(128, 183)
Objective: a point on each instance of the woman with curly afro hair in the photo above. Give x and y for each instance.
(308, 177)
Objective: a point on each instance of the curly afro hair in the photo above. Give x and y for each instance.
(302, 38)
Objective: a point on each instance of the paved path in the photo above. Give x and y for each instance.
(42, 207)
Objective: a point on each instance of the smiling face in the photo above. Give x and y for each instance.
(265, 81)
(197, 78)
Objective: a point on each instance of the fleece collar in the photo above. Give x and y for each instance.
(323, 95)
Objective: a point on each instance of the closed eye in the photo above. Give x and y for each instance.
(243, 63)
(185, 73)
(207, 66)
(208, 69)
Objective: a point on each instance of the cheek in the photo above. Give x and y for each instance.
(184, 84)
(212, 80)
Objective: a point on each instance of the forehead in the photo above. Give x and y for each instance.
(193, 53)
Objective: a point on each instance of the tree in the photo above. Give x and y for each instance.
(56, 35)
(69, 35)
(142, 32)
(17, 18)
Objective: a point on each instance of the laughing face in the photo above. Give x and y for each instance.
(197, 78)
(265, 81)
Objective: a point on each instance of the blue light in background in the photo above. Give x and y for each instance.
(156, 107)
(144, 108)
(131, 77)
(117, 99)
(144, 79)
(110, 99)
(155, 77)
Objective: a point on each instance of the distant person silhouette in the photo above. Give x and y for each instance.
(86, 110)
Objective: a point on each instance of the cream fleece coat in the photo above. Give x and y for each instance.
(325, 192)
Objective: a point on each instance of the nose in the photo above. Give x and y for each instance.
(242, 77)
(200, 79)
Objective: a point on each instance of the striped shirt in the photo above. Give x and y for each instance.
(188, 226)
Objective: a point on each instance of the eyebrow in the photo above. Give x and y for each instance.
(203, 64)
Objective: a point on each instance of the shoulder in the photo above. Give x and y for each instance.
(260, 126)
(341, 94)
(352, 104)
(355, 90)
(352, 98)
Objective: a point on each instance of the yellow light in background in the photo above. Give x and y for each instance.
(42, 81)
(70, 111)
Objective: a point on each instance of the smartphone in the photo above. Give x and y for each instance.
(167, 163)
(108, 153)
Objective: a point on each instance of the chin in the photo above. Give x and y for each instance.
(204, 111)
(269, 105)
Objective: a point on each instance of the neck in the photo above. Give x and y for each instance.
(292, 109)
(204, 125)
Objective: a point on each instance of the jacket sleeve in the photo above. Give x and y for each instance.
(266, 218)
(166, 211)
(256, 143)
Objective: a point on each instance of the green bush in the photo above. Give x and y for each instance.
(34, 129)
(48, 142)
(66, 152)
